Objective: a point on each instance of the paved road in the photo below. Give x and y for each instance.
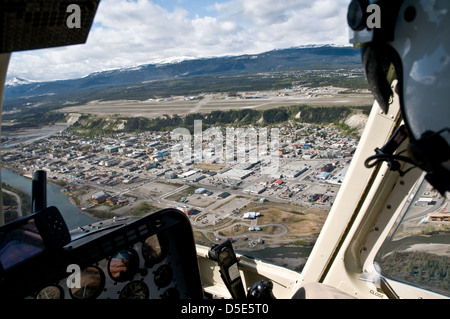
(19, 202)
(280, 234)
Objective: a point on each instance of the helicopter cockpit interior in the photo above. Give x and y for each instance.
(156, 256)
(153, 257)
(147, 258)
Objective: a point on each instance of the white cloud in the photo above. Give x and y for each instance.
(130, 33)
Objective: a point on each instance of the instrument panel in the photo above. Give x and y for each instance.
(145, 270)
(152, 257)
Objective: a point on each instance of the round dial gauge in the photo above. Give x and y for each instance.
(163, 276)
(92, 282)
(51, 292)
(135, 290)
(154, 249)
(123, 265)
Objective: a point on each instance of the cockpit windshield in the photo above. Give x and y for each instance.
(233, 124)
(252, 147)
(417, 250)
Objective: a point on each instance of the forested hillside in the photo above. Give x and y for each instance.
(93, 125)
(419, 269)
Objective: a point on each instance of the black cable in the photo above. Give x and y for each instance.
(388, 158)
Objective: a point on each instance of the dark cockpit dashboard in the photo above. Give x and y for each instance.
(152, 257)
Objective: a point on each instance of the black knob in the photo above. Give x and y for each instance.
(261, 290)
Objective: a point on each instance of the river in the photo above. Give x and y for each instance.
(28, 135)
(291, 257)
(71, 214)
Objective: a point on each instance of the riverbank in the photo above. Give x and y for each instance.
(12, 138)
(72, 215)
(292, 257)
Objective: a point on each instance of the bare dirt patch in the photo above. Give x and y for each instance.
(201, 200)
(300, 221)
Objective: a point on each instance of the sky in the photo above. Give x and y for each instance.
(127, 33)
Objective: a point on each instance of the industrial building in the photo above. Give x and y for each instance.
(99, 197)
(200, 190)
(439, 217)
(194, 178)
(323, 175)
(290, 171)
(234, 174)
(112, 149)
(339, 177)
(255, 189)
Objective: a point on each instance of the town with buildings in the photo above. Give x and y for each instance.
(116, 174)
(135, 174)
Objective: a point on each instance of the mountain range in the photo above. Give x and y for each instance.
(16, 81)
(184, 77)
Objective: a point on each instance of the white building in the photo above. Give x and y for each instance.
(251, 215)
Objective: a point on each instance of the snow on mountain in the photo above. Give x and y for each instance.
(138, 81)
(16, 81)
